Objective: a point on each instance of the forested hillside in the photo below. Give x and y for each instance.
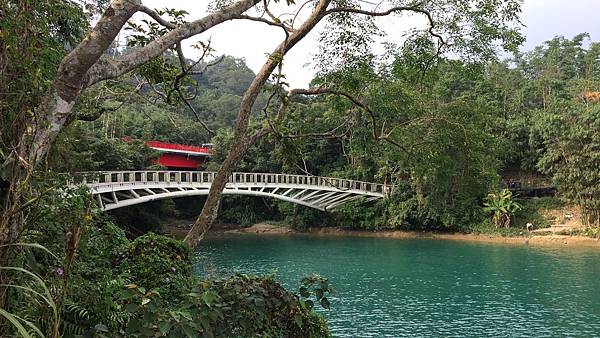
(137, 114)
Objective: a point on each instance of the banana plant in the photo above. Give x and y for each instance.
(501, 207)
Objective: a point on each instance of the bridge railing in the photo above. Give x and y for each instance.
(116, 177)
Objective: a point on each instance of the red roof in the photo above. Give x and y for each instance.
(178, 148)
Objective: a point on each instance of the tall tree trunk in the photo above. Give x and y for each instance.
(12, 227)
(241, 140)
(36, 135)
(213, 200)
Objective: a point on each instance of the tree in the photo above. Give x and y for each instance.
(559, 70)
(571, 155)
(551, 118)
(433, 138)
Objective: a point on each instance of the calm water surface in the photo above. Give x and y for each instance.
(392, 288)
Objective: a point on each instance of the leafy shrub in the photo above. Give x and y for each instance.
(593, 232)
(239, 306)
(486, 227)
(254, 306)
(155, 261)
(101, 250)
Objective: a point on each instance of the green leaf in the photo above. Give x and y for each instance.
(205, 324)
(131, 307)
(189, 332)
(208, 297)
(186, 315)
(298, 319)
(16, 322)
(175, 316)
(164, 327)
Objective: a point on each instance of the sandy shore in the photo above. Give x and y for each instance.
(265, 228)
(179, 228)
(534, 240)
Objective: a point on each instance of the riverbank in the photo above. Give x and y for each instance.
(532, 240)
(179, 228)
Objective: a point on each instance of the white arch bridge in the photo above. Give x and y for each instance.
(117, 189)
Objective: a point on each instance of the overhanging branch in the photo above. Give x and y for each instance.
(112, 68)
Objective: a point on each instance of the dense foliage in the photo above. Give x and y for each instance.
(572, 155)
(104, 285)
(34, 38)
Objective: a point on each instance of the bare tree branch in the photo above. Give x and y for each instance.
(111, 68)
(185, 69)
(351, 98)
(375, 135)
(417, 8)
(187, 103)
(285, 28)
(154, 15)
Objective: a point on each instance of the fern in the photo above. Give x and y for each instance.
(72, 329)
(79, 311)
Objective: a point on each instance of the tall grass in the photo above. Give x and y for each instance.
(23, 327)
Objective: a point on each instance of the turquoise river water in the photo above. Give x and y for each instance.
(395, 288)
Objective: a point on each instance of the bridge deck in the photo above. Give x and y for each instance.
(116, 189)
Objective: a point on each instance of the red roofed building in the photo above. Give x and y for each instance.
(180, 156)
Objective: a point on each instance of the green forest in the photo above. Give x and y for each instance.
(446, 120)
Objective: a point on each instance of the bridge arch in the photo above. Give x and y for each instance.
(117, 189)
